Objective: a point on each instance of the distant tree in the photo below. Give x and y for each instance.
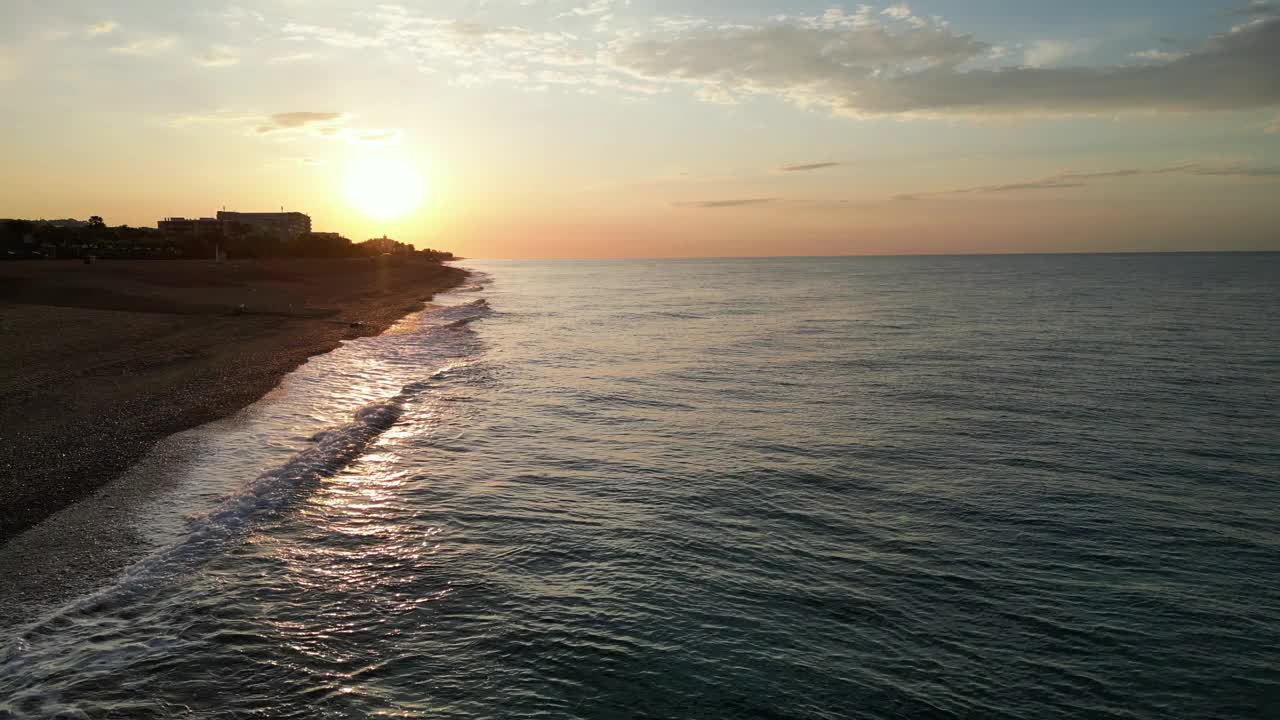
(96, 221)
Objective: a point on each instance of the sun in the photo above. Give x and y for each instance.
(384, 187)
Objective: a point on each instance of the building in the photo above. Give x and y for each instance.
(180, 228)
(285, 225)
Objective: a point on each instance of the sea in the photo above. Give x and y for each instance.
(1037, 486)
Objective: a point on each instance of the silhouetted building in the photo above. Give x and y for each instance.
(285, 225)
(180, 228)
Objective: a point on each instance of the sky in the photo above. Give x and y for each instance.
(625, 128)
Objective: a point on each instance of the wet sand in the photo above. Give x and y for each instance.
(99, 362)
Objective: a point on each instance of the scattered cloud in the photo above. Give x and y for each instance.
(146, 47)
(103, 28)
(1237, 171)
(288, 125)
(218, 56)
(863, 65)
(1256, 8)
(901, 11)
(236, 17)
(808, 166)
(472, 53)
(790, 55)
(1159, 55)
(371, 136)
(1080, 179)
(737, 202)
(867, 61)
(1047, 53)
(596, 7)
(297, 120)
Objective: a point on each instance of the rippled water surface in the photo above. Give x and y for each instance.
(1014, 487)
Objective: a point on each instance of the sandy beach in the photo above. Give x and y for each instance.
(100, 361)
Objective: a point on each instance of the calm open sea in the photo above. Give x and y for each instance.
(968, 487)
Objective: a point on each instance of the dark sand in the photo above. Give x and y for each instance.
(99, 362)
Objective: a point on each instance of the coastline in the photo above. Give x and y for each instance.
(106, 360)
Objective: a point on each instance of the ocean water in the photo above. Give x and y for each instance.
(947, 487)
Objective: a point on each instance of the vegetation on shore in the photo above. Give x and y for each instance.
(31, 239)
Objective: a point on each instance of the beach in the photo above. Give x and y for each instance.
(102, 360)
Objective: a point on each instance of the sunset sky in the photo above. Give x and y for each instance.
(585, 128)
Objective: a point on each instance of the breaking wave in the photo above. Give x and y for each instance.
(330, 451)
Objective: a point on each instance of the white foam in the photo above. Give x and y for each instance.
(443, 337)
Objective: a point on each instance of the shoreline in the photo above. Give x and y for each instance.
(109, 359)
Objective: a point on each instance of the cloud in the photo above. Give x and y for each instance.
(472, 53)
(1256, 8)
(1159, 55)
(808, 166)
(297, 120)
(1080, 179)
(146, 47)
(1235, 171)
(235, 17)
(596, 7)
(737, 202)
(901, 11)
(371, 136)
(878, 69)
(791, 56)
(103, 28)
(218, 56)
(1273, 128)
(288, 125)
(1045, 53)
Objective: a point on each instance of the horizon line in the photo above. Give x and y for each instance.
(886, 255)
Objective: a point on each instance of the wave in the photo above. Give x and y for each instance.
(334, 449)
(465, 314)
(478, 282)
(207, 534)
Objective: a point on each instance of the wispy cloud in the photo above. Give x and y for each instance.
(146, 47)
(103, 28)
(298, 120)
(1256, 8)
(1047, 53)
(218, 56)
(1159, 55)
(882, 65)
(596, 7)
(808, 166)
(1080, 179)
(476, 53)
(736, 202)
(288, 126)
(901, 11)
